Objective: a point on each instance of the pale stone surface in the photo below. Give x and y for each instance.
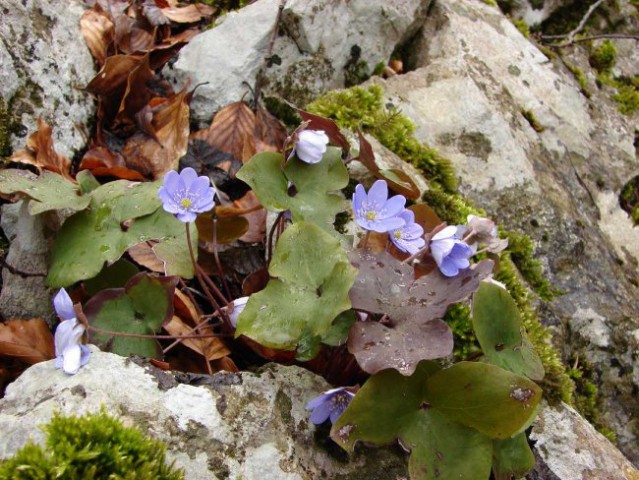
(320, 41)
(229, 426)
(25, 296)
(477, 80)
(571, 449)
(43, 65)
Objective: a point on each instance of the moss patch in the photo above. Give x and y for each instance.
(629, 199)
(94, 446)
(604, 57)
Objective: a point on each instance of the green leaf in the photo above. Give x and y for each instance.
(310, 291)
(312, 200)
(512, 458)
(499, 330)
(121, 214)
(48, 191)
(141, 307)
(87, 181)
(392, 406)
(496, 402)
(113, 276)
(338, 333)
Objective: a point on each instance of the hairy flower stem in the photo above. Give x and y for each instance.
(218, 264)
(271, 233)
(201, 278)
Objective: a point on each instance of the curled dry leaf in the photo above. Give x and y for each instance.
(188, 14)
(270, 133)
(153, 157)
(29, 341)
(210, 348)
(136, 95)
(232, 131)
(102, 162)
(98, 31)
(133, 35)
(114, 74)
(40, 152)
(143, 254)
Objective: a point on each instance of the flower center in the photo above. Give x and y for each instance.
(397, 235)
(371, 215)
(186, 203)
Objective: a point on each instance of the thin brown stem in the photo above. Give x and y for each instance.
(271, 233)
(218, 264)
(155, 337)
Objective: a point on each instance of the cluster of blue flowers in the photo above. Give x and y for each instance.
(376, 212)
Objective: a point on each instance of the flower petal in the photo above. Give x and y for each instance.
(188, 176)
(186, 216)
(378, 194)
(386, 224)
(63, 305)
(393, 207)
(321, 413)
(71, 359)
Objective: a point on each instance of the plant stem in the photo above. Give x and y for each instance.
(155, 337)
(218, 264)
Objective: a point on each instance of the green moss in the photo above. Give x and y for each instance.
(629, 199)
(379, 68)
(8, 126)
(587, 399)
(492, 3)
(356, 70)
(628, 98)
(532, 120)
(283, 111)
(604, 57)
(581, 78)
(95, 446)
(362, 108)
(522, 26)
(466, 344)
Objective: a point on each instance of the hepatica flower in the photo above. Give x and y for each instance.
(69, 352)
(409, 237)
(330, 404)
(238, 307)
(185, 194)
(311, 145)
(375, 211)
(450, 253)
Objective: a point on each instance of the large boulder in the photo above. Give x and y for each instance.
(250, 426)
(44, 63)
(321, 45)
(541, 158)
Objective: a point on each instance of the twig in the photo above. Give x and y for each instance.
(605, 35)
(259, 78)
(156, 337)
(570, 36)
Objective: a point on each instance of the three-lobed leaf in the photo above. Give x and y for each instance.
(313, 277)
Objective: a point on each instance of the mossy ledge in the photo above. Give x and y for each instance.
(363, 108)
(94, 446)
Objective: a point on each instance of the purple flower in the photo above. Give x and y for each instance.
(376, 211)
(311, 145)
(70, 353)
(449, 252)
(409, 237)
(329, 404)
(185, 194)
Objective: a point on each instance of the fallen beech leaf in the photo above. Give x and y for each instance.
(98, 31)
(40, 152)
(153, 157)
(189, 14)
(132, 36)
(102, 162)
(256, 219)
(210, 348)
(143, 254)
(29, 341)
(137, 94)
(114, 74)
(232, 131)
(270, 133)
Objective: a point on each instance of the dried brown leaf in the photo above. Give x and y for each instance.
(328, 126)
(210, 348)
(137, 94)
(232, 131)
(153, 157)
(29, 341)
(40, 152)
(143, 254)
(133, 36)
(102, 162)
(270, 133)
(98, 31)
(114, 74)
(256, 219)
(189, 14)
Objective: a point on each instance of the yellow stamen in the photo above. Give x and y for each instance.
(185, 203)
(370, 215)
(398, 235)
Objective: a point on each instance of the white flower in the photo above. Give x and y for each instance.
(70, 353)
(311, 145)
(237, 307)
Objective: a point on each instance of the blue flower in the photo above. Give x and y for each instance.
(450, 253)
(70, 353)
(409, 237)
(330, 404)
(375, 211)
(185, 194)
(311, 145)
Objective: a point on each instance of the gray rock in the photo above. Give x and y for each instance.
(245, 425)
(321, 43)
(569, 448)
(43, 64)
(24, 293)
(478, 86)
